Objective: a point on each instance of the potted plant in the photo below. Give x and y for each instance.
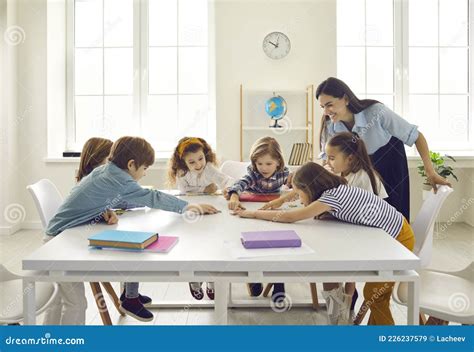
(439, 167)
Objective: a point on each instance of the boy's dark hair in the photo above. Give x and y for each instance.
(128, 148)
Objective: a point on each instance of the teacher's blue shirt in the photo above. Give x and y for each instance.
(375, 125)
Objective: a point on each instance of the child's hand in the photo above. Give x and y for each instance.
(234, 202)
(202, 209)
(212, 188)
(250, 214)
(274, 204)
(110, 217)
(225, 193)
(289, 180)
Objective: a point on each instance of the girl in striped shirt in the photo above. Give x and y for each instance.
(347, 155)
(323, 192)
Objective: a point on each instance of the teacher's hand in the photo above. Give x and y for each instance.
(434, 179)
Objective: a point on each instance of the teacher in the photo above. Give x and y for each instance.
(384, 133)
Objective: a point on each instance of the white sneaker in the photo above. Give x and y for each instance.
(345, 310)
(334, 302)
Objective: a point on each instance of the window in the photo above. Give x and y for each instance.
(139, 68)
(414, 56)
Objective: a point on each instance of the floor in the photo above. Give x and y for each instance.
(453, 249)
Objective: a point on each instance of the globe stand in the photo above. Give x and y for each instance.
(276, 125)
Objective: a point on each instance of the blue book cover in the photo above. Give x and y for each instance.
(118, 238)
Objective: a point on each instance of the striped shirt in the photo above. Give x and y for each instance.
(358, 206)
(256, 183)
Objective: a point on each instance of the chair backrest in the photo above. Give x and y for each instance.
(47, 199)
(235, 169)
(424, 223)
(7, 275)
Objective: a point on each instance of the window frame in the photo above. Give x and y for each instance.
(141, 46)
(401, 70)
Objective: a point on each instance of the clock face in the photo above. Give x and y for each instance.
(276, 45)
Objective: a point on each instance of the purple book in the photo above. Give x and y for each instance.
(270, 239)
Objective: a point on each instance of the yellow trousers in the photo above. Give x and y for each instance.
(377, 294)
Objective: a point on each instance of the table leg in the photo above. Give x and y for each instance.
(413, 302)
(221, 300)
(29, 304)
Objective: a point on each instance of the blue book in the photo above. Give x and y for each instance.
(123, 239)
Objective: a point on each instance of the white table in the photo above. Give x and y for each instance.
(342, 252)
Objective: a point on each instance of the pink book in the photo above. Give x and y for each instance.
(162, 245)
(270, 239)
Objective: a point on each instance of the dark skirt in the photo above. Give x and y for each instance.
(390, 161)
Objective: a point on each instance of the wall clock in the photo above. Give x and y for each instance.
(276, 45)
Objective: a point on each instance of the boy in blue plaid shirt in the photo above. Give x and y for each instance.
(266, 174)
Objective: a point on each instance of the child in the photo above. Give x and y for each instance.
(347, 155)
(322, 192)
(70, 306)
(266, 174)
(193, 169)
(117, 180)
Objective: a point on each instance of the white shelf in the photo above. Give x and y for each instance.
(263, 128)
(277, 91)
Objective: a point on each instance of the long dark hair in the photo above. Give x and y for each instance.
(351, 144)
(313, 180)
(93, 153)
(338, 89)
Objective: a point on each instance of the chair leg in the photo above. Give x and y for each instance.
(314, 296)
(361, 314)
(110, 290)
(267, 290)
(100, 301)
(436, 321)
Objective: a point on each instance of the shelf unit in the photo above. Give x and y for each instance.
(298, 124)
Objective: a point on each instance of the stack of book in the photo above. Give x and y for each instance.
(300, 153)
(132, 241)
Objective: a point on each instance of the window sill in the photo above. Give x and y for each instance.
(160, 163)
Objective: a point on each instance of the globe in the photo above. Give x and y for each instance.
(275, 107)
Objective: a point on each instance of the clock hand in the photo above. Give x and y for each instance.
(275, 45)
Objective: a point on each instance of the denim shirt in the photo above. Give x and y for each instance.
(107, 187)
(375, 126)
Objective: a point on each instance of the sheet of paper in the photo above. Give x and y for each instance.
(238, 251)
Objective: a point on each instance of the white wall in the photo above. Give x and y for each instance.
(240, 28)
(12, 211)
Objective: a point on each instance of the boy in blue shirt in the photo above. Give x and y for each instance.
(114, 185)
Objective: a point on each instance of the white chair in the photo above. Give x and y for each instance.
(444, 296)
(235, 169)
(423, 230)
(47, 200)
(11, 291)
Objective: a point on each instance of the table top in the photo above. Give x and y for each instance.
(203, 245)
